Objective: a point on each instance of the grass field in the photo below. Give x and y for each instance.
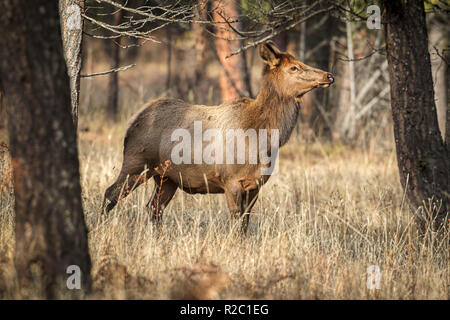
(330, 213)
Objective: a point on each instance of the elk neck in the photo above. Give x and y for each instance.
(272, 110)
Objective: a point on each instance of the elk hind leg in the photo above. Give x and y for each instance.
(162, 194)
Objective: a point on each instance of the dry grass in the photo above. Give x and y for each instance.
(329, 214)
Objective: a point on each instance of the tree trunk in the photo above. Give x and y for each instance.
(302, 42)
(421, 154)
(317, 107)
(51, 233)
(439, 70)
(169, 58)
(200, 83)
(348, 127)
(113, 83)
(234, 82)
(131, 54)
(72, 34)
(2, 112)
(447, 122)
(200, 45)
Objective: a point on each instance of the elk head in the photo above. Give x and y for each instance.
(288, 76)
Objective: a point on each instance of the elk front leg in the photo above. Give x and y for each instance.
(250, 197)
(161, 197)
(240, 203)
(127, 181)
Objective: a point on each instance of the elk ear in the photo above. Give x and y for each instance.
(270, 54)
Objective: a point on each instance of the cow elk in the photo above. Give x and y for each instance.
(149, 139)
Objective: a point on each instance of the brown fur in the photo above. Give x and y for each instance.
(147, 142)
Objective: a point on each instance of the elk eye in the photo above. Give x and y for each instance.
(294, 68)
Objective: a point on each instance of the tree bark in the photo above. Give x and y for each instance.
(422, 158)
(233, 79)
(50, 230)
(72, 35)
(2, 112)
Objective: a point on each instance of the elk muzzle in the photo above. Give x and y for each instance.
(329, 79)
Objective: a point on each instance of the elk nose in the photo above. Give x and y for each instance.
(330, 77)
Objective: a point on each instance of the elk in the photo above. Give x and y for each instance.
(148, 141)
